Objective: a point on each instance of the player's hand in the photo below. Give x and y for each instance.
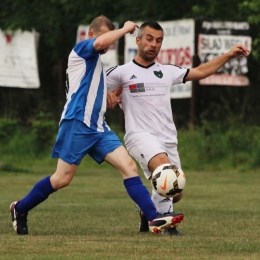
(130, 26)
(238, 50)
(113, 98)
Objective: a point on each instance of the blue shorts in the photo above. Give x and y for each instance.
(75, 140)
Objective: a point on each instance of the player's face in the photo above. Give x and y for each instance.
(150, 43)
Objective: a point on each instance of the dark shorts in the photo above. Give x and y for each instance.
(75, 140)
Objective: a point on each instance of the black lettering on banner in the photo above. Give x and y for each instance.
(230, 43)
(236, 66)
(211, 44)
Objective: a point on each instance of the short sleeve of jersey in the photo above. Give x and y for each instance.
(179, 74)
(86, 49)
(113, 78)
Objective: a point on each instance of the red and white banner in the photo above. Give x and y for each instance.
(217, 38)
(110, 58)
(18, 59)
(177, 49)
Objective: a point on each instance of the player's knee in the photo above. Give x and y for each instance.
(59, 181)
(177, 197)
(132, 166)
(129, 169)
(64, 183)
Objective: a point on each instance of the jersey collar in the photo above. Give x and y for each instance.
(145, 67)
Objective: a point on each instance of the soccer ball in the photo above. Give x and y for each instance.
(168, 180)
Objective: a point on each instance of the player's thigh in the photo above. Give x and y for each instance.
(107, 143)
(110, 149)
(143, 147)
(74, 141)
(173, 154)
(122, 161)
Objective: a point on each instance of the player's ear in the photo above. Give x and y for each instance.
(137, 40)
(90, 34)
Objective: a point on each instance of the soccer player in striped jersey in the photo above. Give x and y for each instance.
(151, 135)
(83, 130)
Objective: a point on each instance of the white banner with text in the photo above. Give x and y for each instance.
(18, 59)
(217, 38)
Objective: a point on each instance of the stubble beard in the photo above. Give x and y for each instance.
(148, 57)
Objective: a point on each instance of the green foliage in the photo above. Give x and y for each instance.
(7, 128)
(57, 22)
(213, 146)
(220, 10)
(217, 146)
(251, 9)
(43, 132)
(33, 140)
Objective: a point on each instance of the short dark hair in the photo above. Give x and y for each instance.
(99, 22)
(151, 24)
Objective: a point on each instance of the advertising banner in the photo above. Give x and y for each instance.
(177, 49)
(18, 59)
(216, 38)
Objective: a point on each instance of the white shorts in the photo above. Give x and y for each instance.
(144, 146)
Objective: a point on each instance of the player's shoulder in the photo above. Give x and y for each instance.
(84, 43)
(169, 65)
(85, 48)
(118, 68)
(108, 71)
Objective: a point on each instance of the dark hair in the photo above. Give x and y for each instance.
(100, 21)
(151, 24)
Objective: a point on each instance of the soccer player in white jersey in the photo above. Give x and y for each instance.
(83, 130)
(151, 136)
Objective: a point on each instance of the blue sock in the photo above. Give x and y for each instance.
(39, 193)
(140, 195)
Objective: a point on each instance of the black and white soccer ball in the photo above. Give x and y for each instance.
(168, 180)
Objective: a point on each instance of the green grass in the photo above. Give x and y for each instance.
(94, 218)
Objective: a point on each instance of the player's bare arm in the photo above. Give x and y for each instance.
(104, 40)
(214, 65)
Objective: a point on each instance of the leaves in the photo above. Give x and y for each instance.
(57, 22)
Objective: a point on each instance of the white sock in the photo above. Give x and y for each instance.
(162, 204)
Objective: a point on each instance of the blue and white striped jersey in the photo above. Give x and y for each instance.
(86, 87)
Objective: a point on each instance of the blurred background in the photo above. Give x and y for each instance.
(219, 123)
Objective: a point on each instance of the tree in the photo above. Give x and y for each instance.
(57, 22)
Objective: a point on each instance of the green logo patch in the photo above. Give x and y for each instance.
(158, 74)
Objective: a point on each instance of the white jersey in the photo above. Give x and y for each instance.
(146, 98)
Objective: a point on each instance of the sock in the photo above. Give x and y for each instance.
(39, 193)
(162, 204)
(140, 195)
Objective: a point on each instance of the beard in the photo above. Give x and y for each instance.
(148, 57)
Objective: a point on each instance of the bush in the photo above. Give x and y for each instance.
(43, 133)
(32, 140)
(216, 146)
(213, 146)
(8, 128)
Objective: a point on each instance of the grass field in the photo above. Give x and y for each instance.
(94, 218)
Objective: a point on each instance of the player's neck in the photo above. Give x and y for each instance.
(143, 62)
